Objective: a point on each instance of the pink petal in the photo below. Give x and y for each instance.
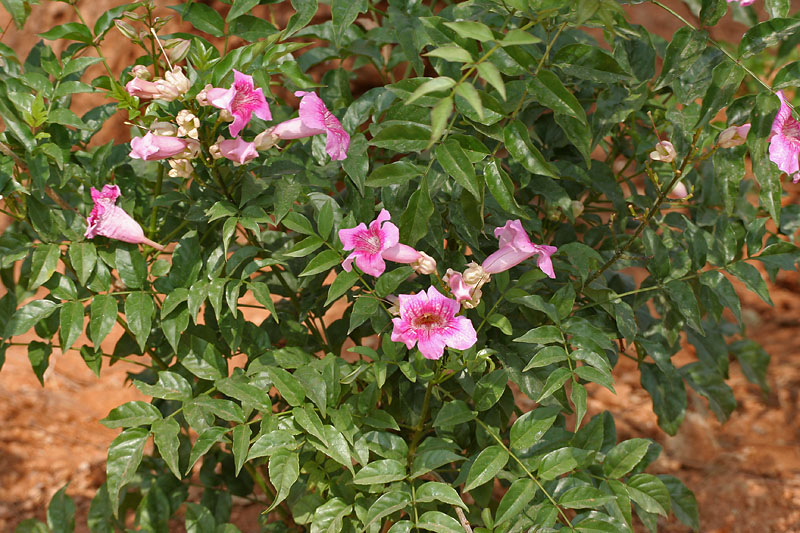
(142, 88)
(544, 262)
(431, 345)
(312, 110)
(220, 98)
(337, 143)
(350, 237)
(461, 333)
(371, 264)
(458, 288)
(115, 223)
(154, 147)
(503, 259)
(400, 253)
(347, 264)
(238, 150)
(402, 332)
(295, 129)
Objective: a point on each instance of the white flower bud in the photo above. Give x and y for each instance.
(733, 136)
(664, 152)
(476, 299)
(164, 129)
(181, 168)
(265, 140)
(214, 148)
(178, 79)
(202, 96)
(425, 265)
(188, 124)
(166, 90)
(192, 150)
(474, 275)
(140, 71)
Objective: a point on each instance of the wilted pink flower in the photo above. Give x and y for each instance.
(742, 3)
(664, 152)
(110, 221)
(374, 244)
(153, 147)
(315, 119)
(784, 147)
(430, 321)
(238, 150)
(516, 247)
(733, 136)
(241, 101)
(460, 290)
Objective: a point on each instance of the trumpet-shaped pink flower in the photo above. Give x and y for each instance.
(238, 150)
(516, 247)
(143, 89)
(374, 244)
(315, 119)
(153, 147)
(784, 147)
(109, 220)
(242, 100)
(429, 320)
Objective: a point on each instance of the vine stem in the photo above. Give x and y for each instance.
(662, 195)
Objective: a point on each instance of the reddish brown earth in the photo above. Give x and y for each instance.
(745, 473)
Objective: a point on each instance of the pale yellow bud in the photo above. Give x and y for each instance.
(180, 168)
(164, 129)
(140, 71)
(178, 79)
(188, 124)
(425, 265)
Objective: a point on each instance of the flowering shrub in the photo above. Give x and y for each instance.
(386, 309)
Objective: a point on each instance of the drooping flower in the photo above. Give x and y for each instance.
(460, 290)
(237, 150)
(516, 247)
(242, 100)
(733, 136)
(374, 244)
(784, 147)
(154, 147)
(315, 119)
(142, 88)
(429, 320)
(664, 151)
(109, 220)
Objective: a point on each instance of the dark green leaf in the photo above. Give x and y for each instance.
(529, 428)
(456, 163)
(486, 466)
(165, 435)
(103, 317)
(26, 317)
(71, 324)
(61, 513)
(131, 414)
(322, 262)
(624, 456)
(381, 471)
(766, 34)
(453, 413)
(43, 263)
(139, 311)
(124, 456)
(518, 143)
(284, 469)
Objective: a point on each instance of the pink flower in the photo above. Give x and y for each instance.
(679, 191)
(153, 147)
(374, 244)
(460, 290)
(664, 151)
(241, 101)
(142, 88)
(516, 247)
(742, 3)
(733, 136)
(315, 119)
(784, 147)
(238, 150)
(110, 221)
(430, 321)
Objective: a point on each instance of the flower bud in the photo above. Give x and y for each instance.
(226, 116)
(188, 124)
(178, 79)
(166, 90)
(265, 140)
(733, 136)
(141, 72)
(476, 299)
(664, 151)
(679, 191)
(164, 129)
(425, 265)
(178, 49)
(474, 275)
(202, 96)
(192, 150)
(180, 168)
(394, 309)
(126, 29)
(214, 150)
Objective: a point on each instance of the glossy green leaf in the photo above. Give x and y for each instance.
(529, 428)
(519, 145)
(124, 457)
(456, 163)
(139, 311)
(132, 414)
(165, 436)
(70, 324)
(284, 469)
(43, 263)
(486, 466)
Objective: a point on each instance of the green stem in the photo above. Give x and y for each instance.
(156, 194)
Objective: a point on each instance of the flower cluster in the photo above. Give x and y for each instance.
(430, 319)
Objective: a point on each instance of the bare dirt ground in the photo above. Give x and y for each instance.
(745, 473)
